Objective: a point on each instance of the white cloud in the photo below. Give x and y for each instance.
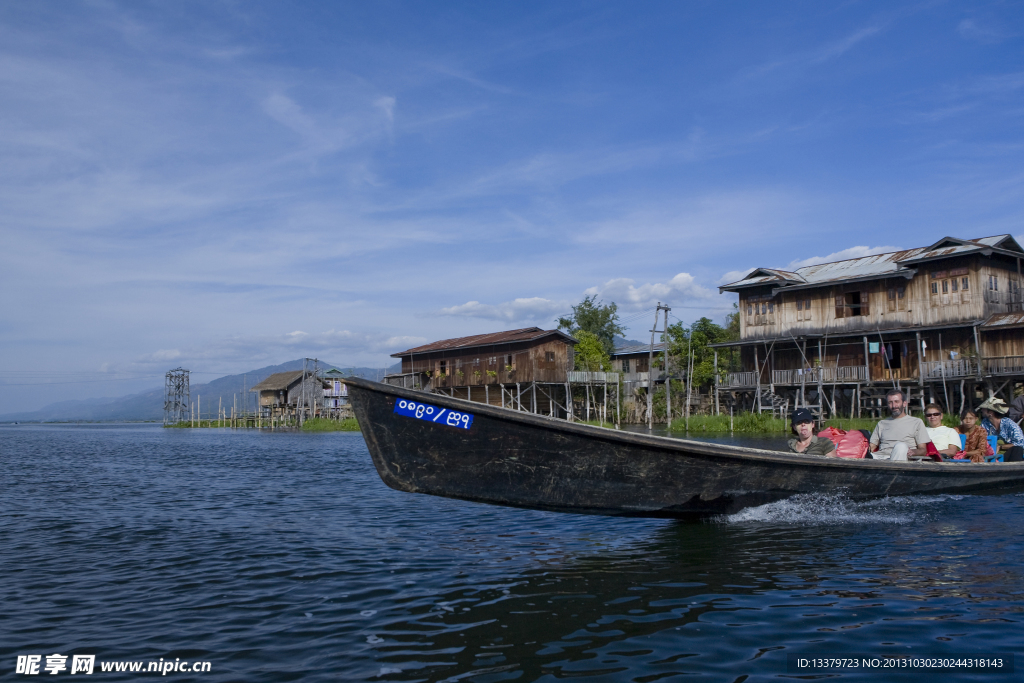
(157, 356)
(851, 253)
(734, 275)
(533, 308)
(245, 352)
(628, 296)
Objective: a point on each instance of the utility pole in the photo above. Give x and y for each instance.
(650, 369)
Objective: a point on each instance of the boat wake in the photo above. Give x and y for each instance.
(837, 508)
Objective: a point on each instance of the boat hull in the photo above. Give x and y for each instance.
(518, 459)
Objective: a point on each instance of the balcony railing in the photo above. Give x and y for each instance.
(844, 373)
(1004, 365)
(741, 379)
(829, 374)
(597, 377)
(961, 367)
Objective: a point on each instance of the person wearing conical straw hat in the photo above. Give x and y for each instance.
(996, 423)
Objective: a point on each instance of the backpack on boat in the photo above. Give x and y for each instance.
(848, 444)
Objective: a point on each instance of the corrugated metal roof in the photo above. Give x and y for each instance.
(878, 265)
(509, 337)
(1004, 321)
(638, 348)
(993, 241)
(279, 381)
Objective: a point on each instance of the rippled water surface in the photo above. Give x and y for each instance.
(283, 557)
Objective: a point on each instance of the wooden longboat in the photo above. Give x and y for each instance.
(507, 457)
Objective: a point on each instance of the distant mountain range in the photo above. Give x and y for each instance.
(149, 405)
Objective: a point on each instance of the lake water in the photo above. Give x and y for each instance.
(280, 557)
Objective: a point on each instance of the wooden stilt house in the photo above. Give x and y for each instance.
(943, 322)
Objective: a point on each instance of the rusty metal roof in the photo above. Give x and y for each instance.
(868, 267)
(279, 381)
(525, 334)
(1004, 321)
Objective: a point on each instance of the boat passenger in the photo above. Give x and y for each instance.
(946, 439)
(806, 442)
(1016, 412)
(998, 424)
(977, 436)
(899, 435)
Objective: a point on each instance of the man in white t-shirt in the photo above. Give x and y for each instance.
(899, 435)
(946, 439)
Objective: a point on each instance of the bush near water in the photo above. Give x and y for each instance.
(314, 424)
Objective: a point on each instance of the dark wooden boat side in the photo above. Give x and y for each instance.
(524, 460)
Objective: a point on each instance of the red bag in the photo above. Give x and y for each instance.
(848, 444)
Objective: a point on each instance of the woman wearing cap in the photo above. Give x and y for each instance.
(806, 442)
(997, 424)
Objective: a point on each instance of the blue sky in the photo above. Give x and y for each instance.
(225, 185)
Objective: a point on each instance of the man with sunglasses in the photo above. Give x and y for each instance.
(946, 439)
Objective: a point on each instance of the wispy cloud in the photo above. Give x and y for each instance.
(240, 352)
(850, 253)
(517, 310)
(814, 56)
(982, 31)
(682, 288)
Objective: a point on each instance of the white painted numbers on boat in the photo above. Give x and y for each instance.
(424, 411)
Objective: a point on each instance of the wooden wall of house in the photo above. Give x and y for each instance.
(638, 362)
(543, 361)
(787, 313)
(1002, 343)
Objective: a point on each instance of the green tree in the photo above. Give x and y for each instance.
(590, 353)
(591, 316)
(697, 339)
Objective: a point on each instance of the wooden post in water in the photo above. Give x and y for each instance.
(650, 372)
(718, 410)
(757, 373)
(617, 410)
(668, 382)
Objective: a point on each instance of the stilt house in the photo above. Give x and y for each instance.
(943, 322)
(524, 367)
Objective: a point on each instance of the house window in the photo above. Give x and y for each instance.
(803, 309)
(954, 285)
(760, 310)
(549, 356)
(444, 367)
(476, 361)
(993, 283)
(852, 304)
(965, 283)
(625, 365)
(493, 360)
(898, 298)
